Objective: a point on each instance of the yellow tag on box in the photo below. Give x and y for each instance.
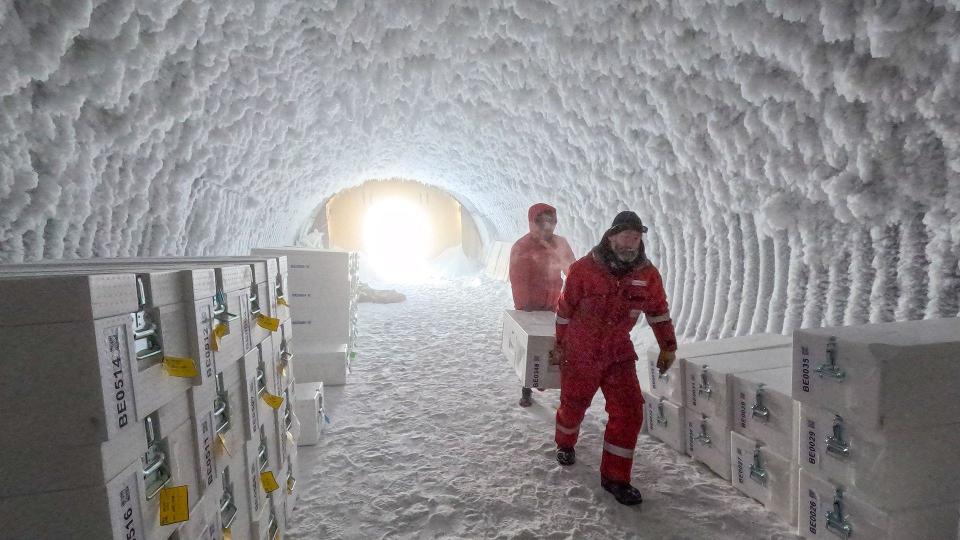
(269, 482)
(174, 505)
(219, 331)
(222, 439)
(282, 302)
(180, 367)
(270, 323)
(227, 534)
(273, 401)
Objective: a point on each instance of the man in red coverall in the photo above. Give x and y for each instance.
(604, 295)
(536, 260)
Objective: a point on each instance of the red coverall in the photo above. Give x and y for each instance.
(594, 319)
(535, 266)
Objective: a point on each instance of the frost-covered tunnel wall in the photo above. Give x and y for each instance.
(798, 160)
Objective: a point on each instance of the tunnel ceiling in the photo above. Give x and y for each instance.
(798, 161)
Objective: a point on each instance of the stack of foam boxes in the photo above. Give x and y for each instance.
(763, 439)
(93, 381)
(879, 440)
(324, 295)
(674, 408)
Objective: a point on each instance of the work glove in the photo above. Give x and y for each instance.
(556, 356)
(665, 360)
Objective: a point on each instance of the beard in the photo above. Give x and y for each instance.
(626, 255)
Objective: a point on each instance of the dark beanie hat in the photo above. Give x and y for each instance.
(626, 221)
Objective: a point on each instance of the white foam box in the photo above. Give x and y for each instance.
(84, 386)
(765, 476)
(282, 279)
(256, 497)
(327, 363)
(180, 448)
(171, 323)
(902, 374)
(528, 337)
(709, 381)
(670, 385)
(852, 517)
(268, 525)
(203, 401)
(288, 427)
(309, 409)
(665, 421)
(764, 409)
(708, 441)
(891, 469)
(320, 289)
(291, 490)
(235, 514)
(204, 522)
(110, 511)
(243, 382)
(68, 298)
(26, 465)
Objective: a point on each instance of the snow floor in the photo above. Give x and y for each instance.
(427, 441)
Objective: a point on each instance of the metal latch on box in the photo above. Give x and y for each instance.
(254, 300)
(273, 529)
(705, 389)
(757, 472)
(222, 412)
(287, 413)
(228, 510)
(145, 335)
(279, 287)
(836, 445)
(221, 308)
(703, 438)
(661, 418)
(836, 522)
(261, 380)
(262, 456)
(221, 406)
(759, 411)
(285, 355)
(291, 480)
(156, 472)
(830, 368)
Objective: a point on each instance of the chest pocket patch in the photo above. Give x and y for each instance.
(638, 283)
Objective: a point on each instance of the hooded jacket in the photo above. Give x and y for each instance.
(601, 303)
(536, 264)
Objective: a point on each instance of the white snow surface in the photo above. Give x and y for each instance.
(427, 441)
(798, 161)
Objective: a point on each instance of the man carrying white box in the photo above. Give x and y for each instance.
(602, 299)
(536, 262)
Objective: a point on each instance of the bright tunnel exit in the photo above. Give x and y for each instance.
(406, 232)
(397, 241)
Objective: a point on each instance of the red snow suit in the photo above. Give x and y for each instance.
(594, 319)
(535, 266)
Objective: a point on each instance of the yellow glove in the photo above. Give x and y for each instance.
(665, 360)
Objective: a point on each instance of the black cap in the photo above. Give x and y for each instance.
(627, 221)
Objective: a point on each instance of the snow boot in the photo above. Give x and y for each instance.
(623, 492)
(566, 456)
(525, 398)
